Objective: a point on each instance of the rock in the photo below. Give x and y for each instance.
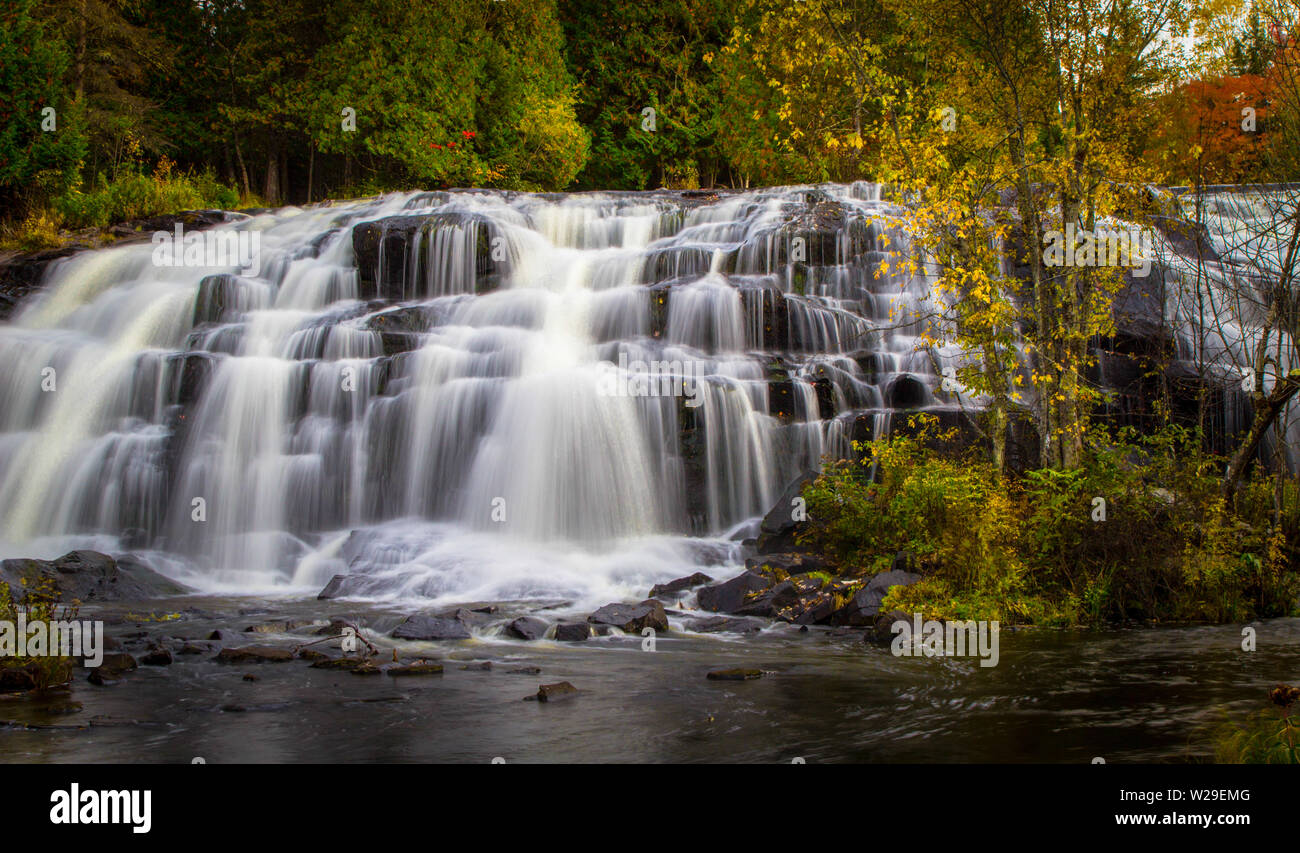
(157, 656)
(254, 654)
(882, 631)
(864, 607)
(632, 618)
(525, 670)
(574, 632)
(729, 596)
(19, 678)
(417, 668)
(222, 635)
(312, 654)
(791, 564)
(421, 626)
(91, 576)
(481, 666)
(725, 624)
(23, 275)
(248, 676)
(347, 664)
(679, 585)
(197, 648)
(111, 669)
(556, 692)
(465, 616)
(735, 674)
(779, 525)
(527, 628)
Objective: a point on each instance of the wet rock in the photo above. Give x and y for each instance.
(738, 674)
(197, 648)
(157, 656)
(248, 676)
(573, 632)
(345, 664)
(421, 626)
(883, 630)
(481, 666)
(18, 678)
(91, 576)
(679, 585)
(525, 670)
(776, 533)
(632, 618)
(791, 564)
(223, 636)
(730, 596)
(254, 654)
(725, 624)
(465, 616)
(527, 628)
(556, 692)
(22, 275)
(864, 607)
(311, 654)
(417, 668)
(112, 668)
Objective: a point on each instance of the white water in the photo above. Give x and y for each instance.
(484, 462)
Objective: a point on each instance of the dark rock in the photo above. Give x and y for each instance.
(573, 632)
(882, 631)
(525, 670)
(735, 674)
(111, 669)
(725, 624)
(248, 676)
(729, 596)
(23, 275)
(91, 576)
(421, 626)
(417, 668)
(254, 654)
(157, 656)
(222, 635)
(632, 618)
(481, 666)
(527, 628)
(780, 525)
(556, 692)
(864, 607)
(679, 585)
(346, 664)
(791, 564)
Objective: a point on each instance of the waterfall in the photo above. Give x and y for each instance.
(463, 395)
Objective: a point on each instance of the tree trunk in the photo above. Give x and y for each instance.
(272, 179)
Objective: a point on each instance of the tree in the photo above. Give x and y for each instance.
(42, 140)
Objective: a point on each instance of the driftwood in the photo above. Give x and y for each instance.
(371, 649)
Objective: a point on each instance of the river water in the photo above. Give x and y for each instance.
(1141, 695)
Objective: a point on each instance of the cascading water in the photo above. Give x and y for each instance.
(452, 395)
(460, 395)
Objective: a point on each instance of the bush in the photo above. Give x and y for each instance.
(38, 604)
(135, 196)
(1269, 737)
(1140, 531)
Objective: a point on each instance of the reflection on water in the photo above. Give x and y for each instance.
(1133, 695)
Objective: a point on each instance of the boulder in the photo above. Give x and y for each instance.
(556, 692)
(527, 628)
(254, 654)
(424, 626)
(417, 668)
(91, 576)
(632, 618)
(779, 526)
(729, 596)
(679, 585)
(864, 607)
(157, 656)
(573, 632)
(111, 669)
